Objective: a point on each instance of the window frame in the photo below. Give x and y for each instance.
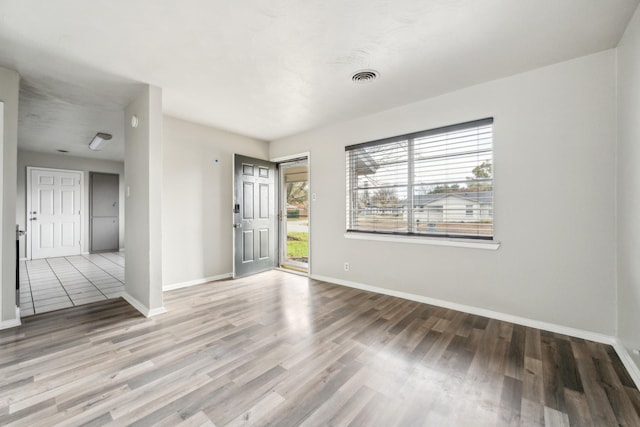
(411, 234)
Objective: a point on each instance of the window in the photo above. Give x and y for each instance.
(469, 209)
(425, 183)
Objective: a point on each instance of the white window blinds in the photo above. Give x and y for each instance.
(437, 182)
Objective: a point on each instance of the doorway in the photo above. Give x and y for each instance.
(294, 215)
(271, 215)
(54, 212)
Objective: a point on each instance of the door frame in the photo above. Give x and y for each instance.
(28, 204)
(286, 159)
(283, 216)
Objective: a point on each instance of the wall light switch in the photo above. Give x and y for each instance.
(313, 196)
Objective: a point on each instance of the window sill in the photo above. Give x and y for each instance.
(491, 245)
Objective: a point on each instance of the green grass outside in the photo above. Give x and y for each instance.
(297, 244)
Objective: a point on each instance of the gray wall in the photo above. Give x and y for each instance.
(60, 161)
(143, 205)
(554, 142)
(9, 89)
(628, 190)
(197, 199)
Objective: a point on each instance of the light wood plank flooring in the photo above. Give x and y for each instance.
(278, 349)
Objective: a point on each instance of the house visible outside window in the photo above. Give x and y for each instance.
(425, 183)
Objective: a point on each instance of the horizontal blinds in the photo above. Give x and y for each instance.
(437, 182)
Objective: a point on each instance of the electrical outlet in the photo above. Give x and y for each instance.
(313, 197)
(636, 351)
(347, 267)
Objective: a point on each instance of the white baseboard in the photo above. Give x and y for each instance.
(146, 311)
(551, 327)
(24, 259)
(121, 250)
(627, 360)
(195, 282)
(156, 311)
(12, 323)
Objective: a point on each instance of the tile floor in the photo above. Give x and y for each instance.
(54, 283)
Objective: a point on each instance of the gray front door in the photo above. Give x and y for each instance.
(103, 207)
(254, 216)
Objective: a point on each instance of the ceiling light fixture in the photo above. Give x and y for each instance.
(98, 140)
(365, 76)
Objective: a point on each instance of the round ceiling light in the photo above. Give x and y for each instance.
(364, 76)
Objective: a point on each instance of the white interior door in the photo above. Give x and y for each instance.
(54, 213)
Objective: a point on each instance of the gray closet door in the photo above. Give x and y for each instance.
(104, 201)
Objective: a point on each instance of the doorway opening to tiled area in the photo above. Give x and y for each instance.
(54, 283)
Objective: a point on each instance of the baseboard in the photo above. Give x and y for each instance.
(24, 259)
(13, 322)
(156, 311)
(195, 282)
(146, 312)
(121, 250)
(627, 360)
(551, 327)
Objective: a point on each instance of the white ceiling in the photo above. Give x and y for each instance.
(269, 69)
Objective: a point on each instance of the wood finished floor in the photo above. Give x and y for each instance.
(278, 349)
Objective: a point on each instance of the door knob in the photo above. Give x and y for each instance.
(33, 219)
(237, 225)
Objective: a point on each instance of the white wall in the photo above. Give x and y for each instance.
(61, 161)
(628, 190)
(9, 89)
(197, 199)
(143, 205)
(554, 142)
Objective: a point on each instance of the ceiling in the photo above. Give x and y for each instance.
(269, 69)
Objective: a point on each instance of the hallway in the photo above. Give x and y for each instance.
(55, 283)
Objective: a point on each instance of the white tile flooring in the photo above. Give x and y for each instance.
(54, 283)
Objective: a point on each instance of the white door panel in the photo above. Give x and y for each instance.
(54, 215)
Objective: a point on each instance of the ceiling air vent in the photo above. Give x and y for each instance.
(365, 76)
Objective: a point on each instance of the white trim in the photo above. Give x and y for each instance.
(146, 312)
(627, 361)
(156, 311)
(459, 243)
(24, 259)
(196, 282)
(565, 330)
(233, 218)
(13, 322)
(290, 157)
(28, 203)
(121, 250)
(310, 204)
(85, 253)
